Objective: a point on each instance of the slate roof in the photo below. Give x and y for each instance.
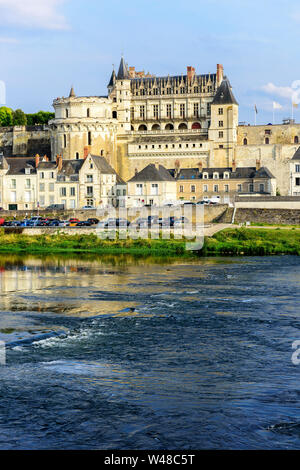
(296, 154)
(240, 173)
(224, 94)
(17, 165)
(46, 165)
(123, 72)
(112, 79)
(151, 173)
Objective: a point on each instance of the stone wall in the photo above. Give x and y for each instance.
(268, 216)
(25, 141)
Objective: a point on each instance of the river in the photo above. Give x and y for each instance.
(125, 353)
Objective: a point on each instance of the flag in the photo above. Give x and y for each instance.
(276, 105)
(255, 109)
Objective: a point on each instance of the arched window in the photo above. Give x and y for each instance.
(182, 126)
(114, 114)
(196, 125)
(142, 127)
(245, 141)
(169, 127)
(267, 140)
(155, 127)
(77, 155)
(296, 139)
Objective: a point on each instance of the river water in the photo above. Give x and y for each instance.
(120, 353)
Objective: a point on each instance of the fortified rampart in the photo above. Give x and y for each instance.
(25, 141)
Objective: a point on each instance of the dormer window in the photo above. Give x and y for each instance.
(27, 171)
(216, 176)
(205, 176)
(226, 175)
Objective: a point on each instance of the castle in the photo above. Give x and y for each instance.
(178, 121)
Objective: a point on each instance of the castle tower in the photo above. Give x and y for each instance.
(123, 98)
(224, 121)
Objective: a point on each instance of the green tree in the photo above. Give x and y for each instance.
(19, 118)
(6, 116)
(42, 117)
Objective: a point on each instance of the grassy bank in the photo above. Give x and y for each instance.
(241, 241)
(61, 243)
(246, 241)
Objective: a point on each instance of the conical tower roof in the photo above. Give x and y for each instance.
(112, 80)
(72, 93)
(123, 72)
(224, 94)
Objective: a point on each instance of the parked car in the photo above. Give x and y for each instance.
(64, 223)
(88, 207)
(83, 223)
(93, 221)
(54, 223)
(57, 207)
(73, 221)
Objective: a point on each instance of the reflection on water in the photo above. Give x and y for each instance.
(109, 352)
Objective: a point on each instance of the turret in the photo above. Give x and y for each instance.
(123, 97)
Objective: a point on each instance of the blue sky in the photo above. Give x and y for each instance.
(48, 45)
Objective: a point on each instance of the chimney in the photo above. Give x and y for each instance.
(86, 151)
(59, 162)
(132, 72)
(156, 165)
(257, 164)
(220, 74)
(136, 171)
(37, 160)
(190, 71)
(233, 166)
(200, 167)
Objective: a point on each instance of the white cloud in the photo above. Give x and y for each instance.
(4, 40)
(282, 91)
(33, 13)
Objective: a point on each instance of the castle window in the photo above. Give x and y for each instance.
(155, 91)
(169, 91)
(142, 92)
(267, 140)
(245, 141)
(296, 139)
(221, 135)
(88, 112)
(89, 138)
(216, 176)
(239, 188)
(77, 155)
(142, 111)
(221, 123)
(226, 175)
(226, 188)
(181, 189)
(196, 89)
(205, 176)
(220, 111)
(297, 168)
(114, 114)
(132, 113)
(193, 189)
(208, 107)
(261, 187)
(42, 175)
(155, 111)
(182, 110)
(196, 109)
(267, 131)
(182, 90)
(205, 188)
(102, 152)
(67, 113)
(169, 110)
(216, 188)
(65, 140)
(251, 188)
